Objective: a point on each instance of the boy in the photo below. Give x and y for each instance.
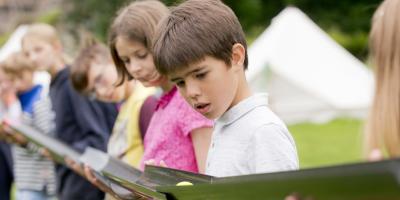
(201, 47)
(34, 173)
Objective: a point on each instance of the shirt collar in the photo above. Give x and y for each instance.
(242, 108)
(166, 98)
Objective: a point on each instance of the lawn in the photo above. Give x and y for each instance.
(335, 142)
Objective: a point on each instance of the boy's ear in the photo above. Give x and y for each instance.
(238, 56)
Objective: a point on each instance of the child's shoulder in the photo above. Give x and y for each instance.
(252, 116)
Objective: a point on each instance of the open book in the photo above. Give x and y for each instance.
(372, 180)
(58, 149)
(118, 172)
(141, 184)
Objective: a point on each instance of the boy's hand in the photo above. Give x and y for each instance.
(46, 153)
(76, 167)
(92, 179)
(19, 139)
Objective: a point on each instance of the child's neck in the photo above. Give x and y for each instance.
(129, 89)
(57, 67)
(243, 92)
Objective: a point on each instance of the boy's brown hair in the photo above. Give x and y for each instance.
(137, 22)
(16, 64)
(193, 30)
(93, 51)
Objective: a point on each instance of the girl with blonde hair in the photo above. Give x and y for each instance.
(79, 121)
(383, 127)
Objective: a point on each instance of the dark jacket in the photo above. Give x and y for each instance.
(80, 123)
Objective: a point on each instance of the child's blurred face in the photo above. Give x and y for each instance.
(6, 85)
(209, 86)
(138, 62)
(41, 53)
(101, 80)
(23, 82)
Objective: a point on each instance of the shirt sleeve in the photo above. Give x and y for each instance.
(189, 120)
(91, 119)
(272, 149)
(83, 122)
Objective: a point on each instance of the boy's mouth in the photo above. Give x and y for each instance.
(202, 108)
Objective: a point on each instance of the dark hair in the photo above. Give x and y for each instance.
(193, 30)
(92, 52)
(138, 22)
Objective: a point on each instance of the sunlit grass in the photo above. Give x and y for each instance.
(336, 142)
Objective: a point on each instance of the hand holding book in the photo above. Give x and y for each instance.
(102, 186)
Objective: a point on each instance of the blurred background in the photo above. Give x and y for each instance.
(332, 141)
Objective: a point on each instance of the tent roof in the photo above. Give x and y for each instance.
(298, 50)
(13, 43)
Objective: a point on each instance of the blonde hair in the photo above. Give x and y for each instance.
(46, 33)
(43, 32)
(16, 64)
(383, 126)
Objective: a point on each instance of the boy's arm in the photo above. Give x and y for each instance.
(272, 149)
(201, 139)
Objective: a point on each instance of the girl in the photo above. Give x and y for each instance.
(79, 122)
(93, 73)
(177, 136)
(383, 128)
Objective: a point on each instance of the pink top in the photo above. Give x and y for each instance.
(168, 135)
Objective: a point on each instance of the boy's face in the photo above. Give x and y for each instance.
(101, 80)
(210, 86)
(6, 85)
(39, 52)
(138, 62)
(23, 82)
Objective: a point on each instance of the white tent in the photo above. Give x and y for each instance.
(13, 45)
(308, 76)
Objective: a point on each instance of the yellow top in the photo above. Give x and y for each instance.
(125, 142)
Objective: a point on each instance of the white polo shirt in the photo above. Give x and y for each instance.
(248, 139)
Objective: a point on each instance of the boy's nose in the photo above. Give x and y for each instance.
(193, 91)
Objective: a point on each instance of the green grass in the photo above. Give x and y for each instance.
(336, 142)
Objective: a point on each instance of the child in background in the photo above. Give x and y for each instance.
(79, 122)
(177, 134)
(94, 72)
(201, 47)
(383, 130)
(34, 173)
(10, 108)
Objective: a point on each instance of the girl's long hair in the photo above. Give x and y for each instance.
(383, 126)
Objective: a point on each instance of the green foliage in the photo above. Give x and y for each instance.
(356, 42)
(4, 38)
(50, 17)
(347, 20)
(336, 142)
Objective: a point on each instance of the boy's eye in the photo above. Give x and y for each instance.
(201, 75)
(180, 84)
